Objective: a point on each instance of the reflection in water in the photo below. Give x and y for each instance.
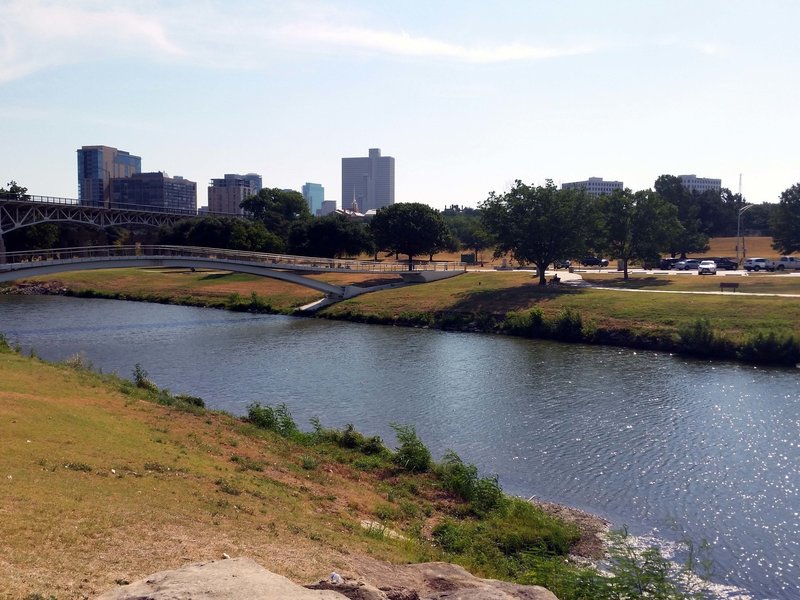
(644, 439)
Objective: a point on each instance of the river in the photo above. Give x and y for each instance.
(664, 444)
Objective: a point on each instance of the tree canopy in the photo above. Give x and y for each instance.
(637, 226)
(786, 221)
(540, 224)
(331, 236)
(691, 236)
(277, 209)
(223, 232)
(409, 228)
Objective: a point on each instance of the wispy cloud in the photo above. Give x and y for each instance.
(401, 43)
(38, 34)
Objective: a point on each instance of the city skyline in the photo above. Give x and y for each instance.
(466, 96)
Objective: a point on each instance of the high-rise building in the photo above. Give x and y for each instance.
(314, 194)
(97, 165)
(328, 207)
(226, 194)
(369, 181)
(693, 183)
(156, 191)
(594, 186)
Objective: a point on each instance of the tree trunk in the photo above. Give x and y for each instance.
(625, 269)
(410, 262)
(542, 274)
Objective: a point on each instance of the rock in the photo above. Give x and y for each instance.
(236, 578)
(244, 579)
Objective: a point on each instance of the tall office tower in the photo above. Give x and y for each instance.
(314, 194)
(594, 186)
(155, 191)
(693, 183)
(226, 194)
(97, 165)
(368, 180)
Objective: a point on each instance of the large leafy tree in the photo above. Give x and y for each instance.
(331, 236)
(468, 230)
(637, 226)
(223, 232)
(785, 221)
(539, 224)
(691, 237)
(277, 209)
(409, 228)
(14, 191)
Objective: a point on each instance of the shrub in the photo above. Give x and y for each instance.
(568, 325)
(190, 400)
(277, 419)
(411, 455)
(771, 348)
(141, 380)
(700, 339)
(530, 323)
(483, 493)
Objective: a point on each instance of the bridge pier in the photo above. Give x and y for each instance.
(2, 249)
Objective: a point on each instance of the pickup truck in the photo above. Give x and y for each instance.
(757, 264)
(787, 262)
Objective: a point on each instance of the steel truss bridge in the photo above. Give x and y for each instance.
(23, 211)
(294, 269)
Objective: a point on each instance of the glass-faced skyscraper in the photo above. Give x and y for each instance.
(97, 165)
(314, 194)
(368, 181)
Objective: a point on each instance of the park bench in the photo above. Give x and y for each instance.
(728, 285)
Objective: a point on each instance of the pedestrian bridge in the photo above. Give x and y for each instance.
(294, 269)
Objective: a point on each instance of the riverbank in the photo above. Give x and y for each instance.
(105, 481)
(730, 326)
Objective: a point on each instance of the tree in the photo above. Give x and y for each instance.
(223, 232)
(785, 221)
(468, 229)
(637, 226)
(690, 238)
(277, 209)
(539, 224)
(14, 191)
(331, 236)
(408, 228)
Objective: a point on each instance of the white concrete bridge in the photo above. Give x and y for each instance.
(289, 268)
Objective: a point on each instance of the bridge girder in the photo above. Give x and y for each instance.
(15, 215)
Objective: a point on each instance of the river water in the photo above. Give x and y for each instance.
(666, 445)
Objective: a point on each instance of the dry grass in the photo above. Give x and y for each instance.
(98, 486)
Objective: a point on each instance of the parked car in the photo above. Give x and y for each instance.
(594, 261)
(688, 264)
(758, 264)
(667, 263)
(562, 264)
(707, 267)
(787, 262)
(725, 263)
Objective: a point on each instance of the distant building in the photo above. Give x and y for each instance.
(225, 195)
(594, 186)
(693, 183)
(97, 165)
(155, 191)
(314, 194)
(369, 181)
(328, 207)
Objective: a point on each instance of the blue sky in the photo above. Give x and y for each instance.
(466, 95)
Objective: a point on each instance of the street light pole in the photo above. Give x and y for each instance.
(739, 228)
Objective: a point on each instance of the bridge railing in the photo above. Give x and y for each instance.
(14, 260)
(119, 206)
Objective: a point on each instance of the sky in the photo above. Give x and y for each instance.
(467, 96)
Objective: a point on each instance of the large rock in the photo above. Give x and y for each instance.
(244, 579)
(235, 579)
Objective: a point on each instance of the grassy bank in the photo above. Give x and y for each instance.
(104, 481)
(764, 328)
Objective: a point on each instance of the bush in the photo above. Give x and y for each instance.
(568, 325)
(483, 493)
(141, 380)
(277, 419)
(529, 323)
(411, 455)
(771, 348)
(700, 339)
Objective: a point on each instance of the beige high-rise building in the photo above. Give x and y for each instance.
(226, 194)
